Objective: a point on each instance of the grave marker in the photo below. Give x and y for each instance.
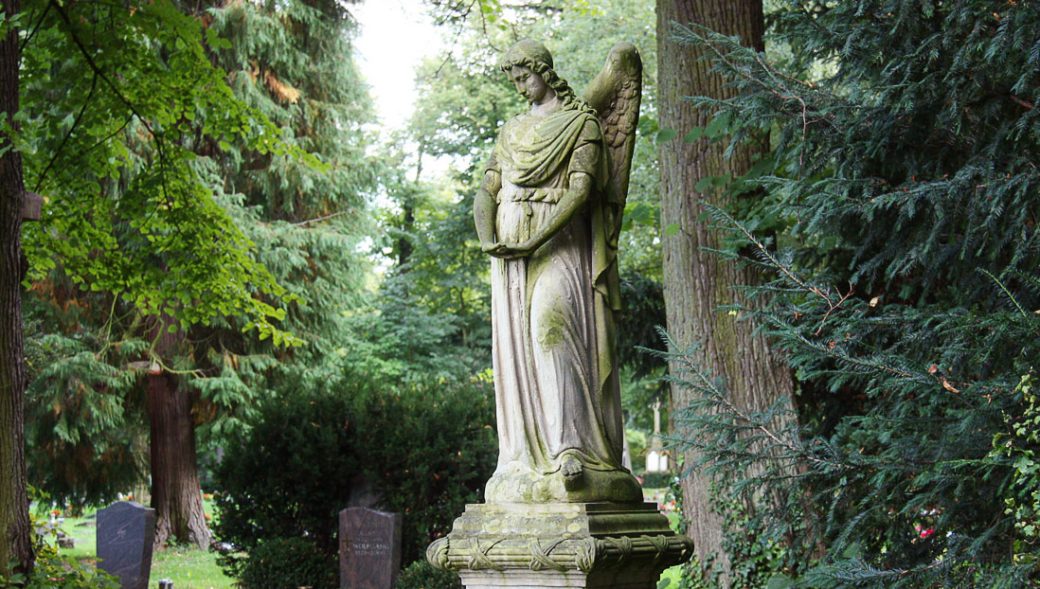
(125, 531)
(369, 548)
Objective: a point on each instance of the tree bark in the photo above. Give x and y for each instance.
(14, 505)
(176, 492)
(697, 281)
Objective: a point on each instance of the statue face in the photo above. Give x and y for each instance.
(530, 85)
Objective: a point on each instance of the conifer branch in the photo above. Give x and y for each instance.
(776, 264)
(719, 398)
(1023, 103)
(322, 218)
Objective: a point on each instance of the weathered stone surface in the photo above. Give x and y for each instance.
(549, 212)
(560, 545)
(369, 548)
(125, 531)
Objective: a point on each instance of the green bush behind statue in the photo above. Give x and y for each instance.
(426, 451)
(281, 563)
(422, 575)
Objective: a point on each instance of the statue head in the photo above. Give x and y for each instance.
(530, 55)
(527, 52)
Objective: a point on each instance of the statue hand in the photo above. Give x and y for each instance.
(506, 252)
(493, 248)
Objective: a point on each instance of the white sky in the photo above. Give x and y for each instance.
(395, 36)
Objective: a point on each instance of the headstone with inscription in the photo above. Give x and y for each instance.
(369, 548)
(125, 531)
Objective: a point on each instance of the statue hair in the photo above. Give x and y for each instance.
(563, 90)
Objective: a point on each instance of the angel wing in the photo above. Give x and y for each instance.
(615, 95)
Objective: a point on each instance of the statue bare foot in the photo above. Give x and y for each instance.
(571, 469)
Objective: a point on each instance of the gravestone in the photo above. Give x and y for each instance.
(369, 548)
(125, 531)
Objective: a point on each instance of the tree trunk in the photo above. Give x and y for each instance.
(14, 505)
(176, 492)
(697, 281)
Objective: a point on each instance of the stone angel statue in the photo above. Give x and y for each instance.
(549, 213)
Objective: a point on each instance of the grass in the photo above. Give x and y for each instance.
(188, 568)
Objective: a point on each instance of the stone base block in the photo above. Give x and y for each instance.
(539, 546)
(548, 580)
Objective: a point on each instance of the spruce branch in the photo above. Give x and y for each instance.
(1005, 290)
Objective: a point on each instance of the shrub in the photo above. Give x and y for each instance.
(425, 452)
(422, 575)
(291, 474)
(287, 563)
(657, 480)
(430, 454)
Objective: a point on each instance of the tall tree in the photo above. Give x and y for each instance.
(14, 506)
(698, 283)
(176, 493)
(291, 61)
(115, 100)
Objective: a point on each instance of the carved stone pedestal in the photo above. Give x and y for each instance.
(536, 546)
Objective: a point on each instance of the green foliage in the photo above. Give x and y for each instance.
(288, 475)
(743, 451)
(425, 452)
(422, 575)
(293, 63)
(116, 100)
(431, 450)
(115, 96)
(431, 319)
(639, 324)
(1021, 446)
(171, 179)
(286, 563)
(636, 441)
(657, 480)
(85, 437)
(900, 227)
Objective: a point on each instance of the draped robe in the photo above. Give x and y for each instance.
(556, 381)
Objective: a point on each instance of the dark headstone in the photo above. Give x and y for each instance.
(65, 541)
(369, 548)
(125, 531)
